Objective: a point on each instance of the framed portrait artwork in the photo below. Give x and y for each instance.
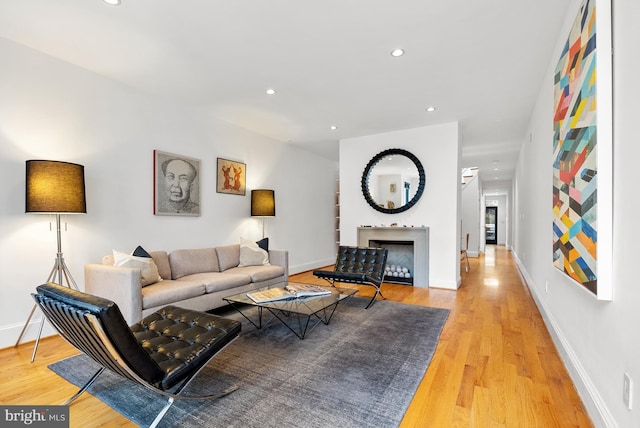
(232, 177)
(176, 184)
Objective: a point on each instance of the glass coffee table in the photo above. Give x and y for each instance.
(300, 315)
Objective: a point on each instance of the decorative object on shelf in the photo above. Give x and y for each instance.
(176, 184)
(231, 177)
(387, 171)
(263, 204)
(582, 151)
(54, 187)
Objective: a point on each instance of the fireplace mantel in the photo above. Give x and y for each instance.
(418, 235)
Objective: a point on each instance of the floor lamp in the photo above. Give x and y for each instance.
(263, 204)
(56, 188)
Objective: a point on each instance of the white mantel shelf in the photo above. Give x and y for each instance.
(418, 235)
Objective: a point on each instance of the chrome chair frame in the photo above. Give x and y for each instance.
(83, 328)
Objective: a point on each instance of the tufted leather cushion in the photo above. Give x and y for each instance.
(361, 264)
(358, 265)
(162, 349)
(179, 340)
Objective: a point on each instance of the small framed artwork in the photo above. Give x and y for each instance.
(231, 177)
(176, 184)
(392, 187)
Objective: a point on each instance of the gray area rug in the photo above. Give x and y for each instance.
(361, 370)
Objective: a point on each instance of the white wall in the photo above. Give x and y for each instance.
(52, 110)
(597, 339)
(437, 149)
(470, 211)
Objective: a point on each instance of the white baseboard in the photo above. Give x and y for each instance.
(596, 407)
(445, 285)
(10, 333)
(310, 266)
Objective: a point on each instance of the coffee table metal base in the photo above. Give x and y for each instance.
(299, 315)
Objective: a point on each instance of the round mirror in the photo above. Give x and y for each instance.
(393, 181)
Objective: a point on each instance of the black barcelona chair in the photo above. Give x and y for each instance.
(163, 352)
(358, 265)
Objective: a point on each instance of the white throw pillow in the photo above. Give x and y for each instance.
(148, 269)
(251, 254)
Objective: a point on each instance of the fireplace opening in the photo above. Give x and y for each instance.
(399, 267)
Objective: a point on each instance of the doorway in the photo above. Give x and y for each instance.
(491, 225)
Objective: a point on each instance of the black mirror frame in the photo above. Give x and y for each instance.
(365, 181)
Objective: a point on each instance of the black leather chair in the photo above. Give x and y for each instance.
(163, 352)
(358, 265)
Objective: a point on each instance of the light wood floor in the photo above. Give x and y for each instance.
(495, 364)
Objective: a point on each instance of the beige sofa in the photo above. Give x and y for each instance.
(191, 278)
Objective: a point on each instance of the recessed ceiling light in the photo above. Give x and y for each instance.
(112, 2)
(397, 52)
(431, 109)
(333, 127)
(270, 91)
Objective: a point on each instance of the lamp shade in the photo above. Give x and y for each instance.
(55, 187)
(263, 202)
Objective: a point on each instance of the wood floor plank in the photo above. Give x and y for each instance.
(495, 364)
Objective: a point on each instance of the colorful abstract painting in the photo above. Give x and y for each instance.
(575, 152)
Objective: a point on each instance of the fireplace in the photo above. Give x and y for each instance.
(407, 246)
(399, 268)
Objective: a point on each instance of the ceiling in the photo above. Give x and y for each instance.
(479, 63)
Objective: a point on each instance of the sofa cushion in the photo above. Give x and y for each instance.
(187, 262)
(148, 269)
(258, 273)
(161, 258)
(170, 291)
(140, 252)
(216, 281)
(228, 256)
(264, 244)
(251, 254)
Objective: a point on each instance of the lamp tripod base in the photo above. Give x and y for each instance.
(57, 274)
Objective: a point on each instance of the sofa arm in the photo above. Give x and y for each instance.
(121, 285)
(280, 258)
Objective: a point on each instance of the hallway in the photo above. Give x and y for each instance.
(496, 365)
